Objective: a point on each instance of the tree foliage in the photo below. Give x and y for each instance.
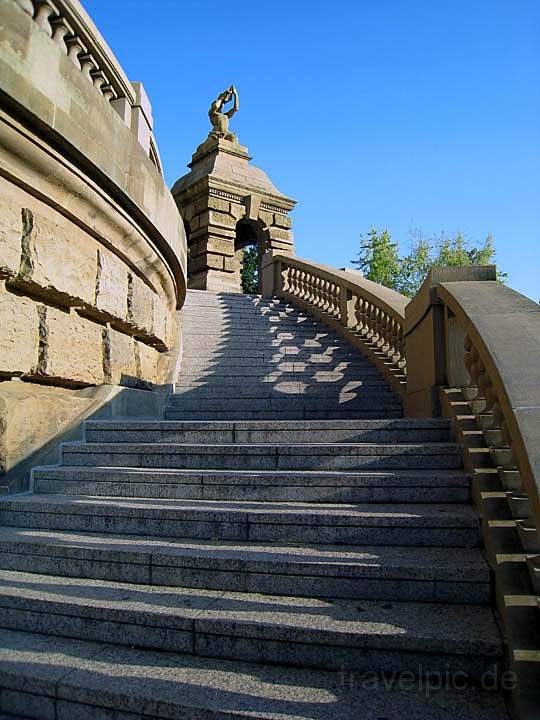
(379, 259)
(250, 270)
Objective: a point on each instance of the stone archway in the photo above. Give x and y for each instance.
(250, 233)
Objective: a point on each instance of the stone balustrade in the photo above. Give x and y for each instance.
(501, 346)
(367, 314)
(72, 30)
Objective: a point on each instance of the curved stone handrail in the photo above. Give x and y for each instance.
(501, 351)
(369, 315)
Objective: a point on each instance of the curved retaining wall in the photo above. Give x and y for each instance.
(92, 247)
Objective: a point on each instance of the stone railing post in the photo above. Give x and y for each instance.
(434, 342)
(271, 275)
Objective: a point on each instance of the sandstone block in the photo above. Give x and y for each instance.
(19, 334)
(187, 212)
(282, 221)
(237, 211)
(147, 362)
(219, 246)
(215, 203)
(111, 285)
(219, 219)
(58, 259)
(73, 348)
(266, 217)
(10, 235)
(208, 260)
(276, 233)
(195, 223)
(213, 230)
(140, 304)
(200, 206)
(122, 363)
(161, 322)
(230, 264)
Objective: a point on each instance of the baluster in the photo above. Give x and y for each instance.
(331, 298)
(88, 65)
(309, 294)
(318, 292)
(337, 307)
(60, 30)
(296, 282)
(108, 92)
(358, 314)
(292, 276)
(386, 329)
(98, 79)
(75, 48)
(44, 10)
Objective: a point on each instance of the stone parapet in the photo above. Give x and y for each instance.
(92, 247)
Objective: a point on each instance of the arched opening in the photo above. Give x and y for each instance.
(248, 250)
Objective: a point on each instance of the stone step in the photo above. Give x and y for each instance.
(336, 414)
(286, 390)
(301, 456)
(281, 356)
(349, 380)
(264, 341)
(408, 524)
(225, 328)
(55, 677)
(275, 381)
(296, 403)
(286, 368)
(327, 634)
(260, 432)
(368, 572)
(201, 324)
(333, 351)
(256, 486)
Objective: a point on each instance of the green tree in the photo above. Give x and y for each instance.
(378, 257)
(250, 270)
(380, 261)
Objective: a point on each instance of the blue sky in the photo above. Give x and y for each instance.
(402, 114)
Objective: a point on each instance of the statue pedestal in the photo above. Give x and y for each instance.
(227, 204)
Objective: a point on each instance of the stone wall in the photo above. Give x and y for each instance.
(92, 248)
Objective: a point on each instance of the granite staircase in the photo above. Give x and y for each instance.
(282, 545)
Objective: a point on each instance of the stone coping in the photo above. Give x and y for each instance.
(504, 327)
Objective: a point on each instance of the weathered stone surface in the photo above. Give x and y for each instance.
(73, 348)
(277, 233)
(111, 285)
(237, 211)
(213, 217)
(140, 304)
(19, 334)
(213, 245)
(215, 203)
(147, 359)
(10, 233)
(283, 221)
(123, 366)
(208, 260)
(161, 322)
(58, 259)
(266, 217)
